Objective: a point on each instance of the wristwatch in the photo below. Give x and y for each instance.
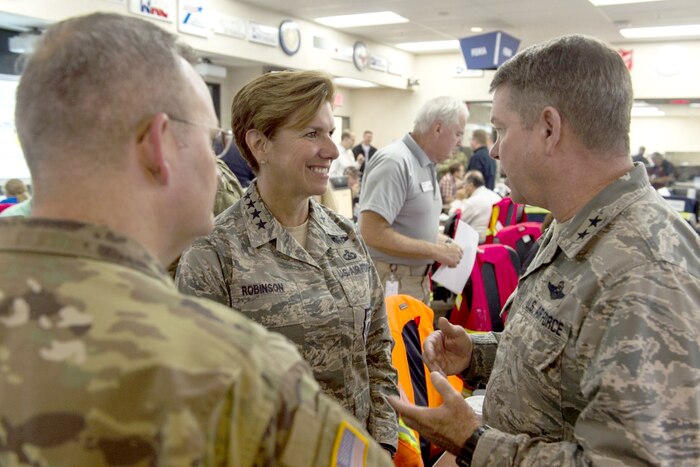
(466, 452)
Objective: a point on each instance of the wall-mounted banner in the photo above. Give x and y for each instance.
(338, 52)
(163, 10)
(378, 63)
(228, 25)
(488, 51)
(263, 34)
(193, 17)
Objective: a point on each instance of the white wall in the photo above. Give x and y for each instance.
(657, 73)
(667, 134)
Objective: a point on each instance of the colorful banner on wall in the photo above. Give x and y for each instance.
(163, 10)
(193, 17)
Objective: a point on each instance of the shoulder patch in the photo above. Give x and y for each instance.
(350, 447)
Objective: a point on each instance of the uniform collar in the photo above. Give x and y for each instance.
(416, 150)
(577, 235)
(263, 228)
(77, 240)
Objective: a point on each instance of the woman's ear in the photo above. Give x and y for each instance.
(257, 143)
(151, 142)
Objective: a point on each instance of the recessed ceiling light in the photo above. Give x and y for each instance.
(618, 2)
(431, 46)
(476, 29)
(362, 19)
(353, 83)
(662, 31)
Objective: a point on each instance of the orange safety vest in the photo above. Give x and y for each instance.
(400, 310)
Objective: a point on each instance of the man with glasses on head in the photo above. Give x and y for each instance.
(103, 362)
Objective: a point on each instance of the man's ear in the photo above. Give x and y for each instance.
(257, 143)
(551, 127)
(152, 143)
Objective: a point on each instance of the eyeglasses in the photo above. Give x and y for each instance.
(220, 142)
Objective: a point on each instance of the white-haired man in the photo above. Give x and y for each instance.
(400, 203)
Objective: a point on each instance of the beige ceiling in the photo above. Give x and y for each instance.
(529, 20)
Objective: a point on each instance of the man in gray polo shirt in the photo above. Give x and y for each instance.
(400, 202)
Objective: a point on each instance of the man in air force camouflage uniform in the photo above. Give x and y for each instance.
(600, 359)
(102, 360)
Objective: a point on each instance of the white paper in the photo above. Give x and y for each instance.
(454, 279)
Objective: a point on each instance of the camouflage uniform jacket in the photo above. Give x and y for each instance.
(104, 362)
(600, 359)
(228, 189)
(327, 300)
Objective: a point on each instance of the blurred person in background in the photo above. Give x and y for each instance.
(15, 191)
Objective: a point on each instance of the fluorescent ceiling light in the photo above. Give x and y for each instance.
(353, 83)
(661, 31)
(618, 2)
(647, 112)
(362, 19)
(431, 46)
(476, 29)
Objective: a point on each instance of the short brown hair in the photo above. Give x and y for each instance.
(454, 168)
(584, 79)
(272, 100)
(15, 188)
(481, 137)
(88, 84)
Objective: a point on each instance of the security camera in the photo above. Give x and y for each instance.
(413, 82)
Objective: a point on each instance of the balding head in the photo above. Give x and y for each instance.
(87, 86)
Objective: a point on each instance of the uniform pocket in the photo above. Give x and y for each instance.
(275, 305)
(357, 293)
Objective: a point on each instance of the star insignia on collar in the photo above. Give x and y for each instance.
(256, 214)
(251, 204)
(261, 224)
(594, 221)
(582, 234)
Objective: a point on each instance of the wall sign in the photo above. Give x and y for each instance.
(229, 25)
(163, 10)
(263, 34)
(192, 17)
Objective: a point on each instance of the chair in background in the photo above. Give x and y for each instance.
(493, 279)
(410, 322)
(504, 213)
(520, 237)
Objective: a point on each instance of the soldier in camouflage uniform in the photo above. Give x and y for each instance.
(599, 363)
(102, 360)
(318, 287)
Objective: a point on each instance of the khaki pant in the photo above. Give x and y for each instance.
(413, 280)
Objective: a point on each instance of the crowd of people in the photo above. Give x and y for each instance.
(272, 346)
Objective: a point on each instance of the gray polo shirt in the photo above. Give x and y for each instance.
(400, 184)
